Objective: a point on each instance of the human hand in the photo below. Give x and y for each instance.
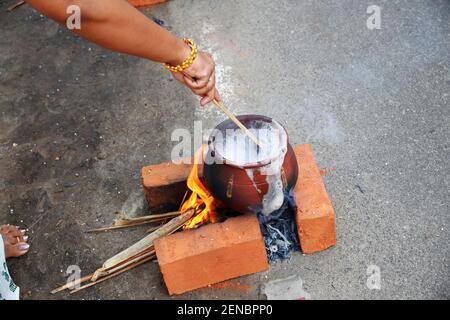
(200, 77)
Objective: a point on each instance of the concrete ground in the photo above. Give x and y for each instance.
(78, 122)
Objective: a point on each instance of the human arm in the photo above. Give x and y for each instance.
(117, 25)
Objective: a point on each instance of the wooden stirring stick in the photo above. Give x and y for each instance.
(233, 118)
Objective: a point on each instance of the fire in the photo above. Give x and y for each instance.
(200, 199)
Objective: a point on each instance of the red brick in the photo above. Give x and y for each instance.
(315, 215)
(144, 3)
(213, 253)
(165, 185)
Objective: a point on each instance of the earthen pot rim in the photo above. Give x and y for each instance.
(228, 124)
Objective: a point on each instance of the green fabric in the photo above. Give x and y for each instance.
(8, 289)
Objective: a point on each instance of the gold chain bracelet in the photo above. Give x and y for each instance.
(189, 60)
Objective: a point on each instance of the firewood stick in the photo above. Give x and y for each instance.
(125, 265)
(132, 222)
(126, 262)
(161, 219)
(146, 242)
(114, 274)
(15, 5)
(150, 217)
(130, 254)
(118, 227)
(102, 272)
(72, 284)
(184, 197)
(156, 228)
(89, 277)
(152, 229)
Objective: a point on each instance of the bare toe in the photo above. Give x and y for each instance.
(16, 235)
(6, 228)
(13, 235)
(14, 241)
(9, 228)
(16, 250)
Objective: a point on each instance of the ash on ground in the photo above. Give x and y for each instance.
(280, 231)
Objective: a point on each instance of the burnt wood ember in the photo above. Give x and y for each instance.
(280, 231)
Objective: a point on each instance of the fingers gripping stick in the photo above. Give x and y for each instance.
(233, 118)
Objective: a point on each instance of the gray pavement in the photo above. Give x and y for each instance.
(78, 122)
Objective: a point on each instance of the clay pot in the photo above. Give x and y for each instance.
(231, 184)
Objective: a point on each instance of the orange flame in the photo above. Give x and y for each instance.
(200, 199)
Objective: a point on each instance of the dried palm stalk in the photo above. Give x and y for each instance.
(15, 5)
(129, 267)
(145, 243)
(140, 252)
(132, 222)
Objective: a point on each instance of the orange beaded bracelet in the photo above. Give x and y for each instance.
(189, 60)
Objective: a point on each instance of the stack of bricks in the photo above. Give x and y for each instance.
(315, 215)
(195, 258)
(165, 185)
(216, 252)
